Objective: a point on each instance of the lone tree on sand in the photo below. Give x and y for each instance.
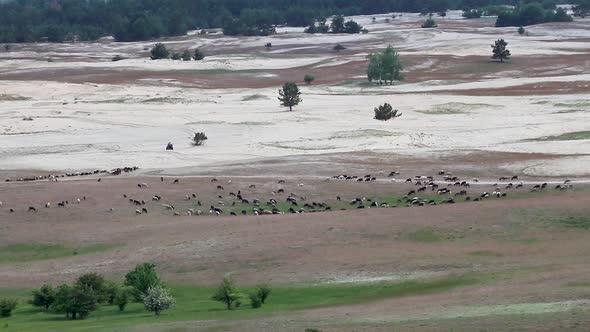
(500, 51)
(159, 51)
(308, 78)
(385, 66)
(199, 139)
(290, 95)
(386, 112)
(339, 48)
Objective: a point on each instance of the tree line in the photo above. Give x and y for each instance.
(142, 285)
(132, 20)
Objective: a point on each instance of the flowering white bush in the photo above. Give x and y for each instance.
(157, 299)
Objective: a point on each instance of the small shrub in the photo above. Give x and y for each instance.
(268, 45)
(312, 330)
(7, 47)
(159, 51)
(176, 56)
(186, 55)
(6, 307)
(44, 297)
(263, 291)
(521, 31)
(202, 32)
(199, 55)
(117, 58)
(199, 139)
(309, 78)
(255, 300)
(122, 298)
(339, 48)
(386, 112)
(429, 23)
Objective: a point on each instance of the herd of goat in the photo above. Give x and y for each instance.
(449, 189)
(55, 177)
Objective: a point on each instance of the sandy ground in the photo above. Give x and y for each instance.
(454, 98)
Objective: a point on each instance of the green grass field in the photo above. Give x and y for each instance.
(34, 252)
(193, 303)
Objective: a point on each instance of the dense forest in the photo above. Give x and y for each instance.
(130, 20)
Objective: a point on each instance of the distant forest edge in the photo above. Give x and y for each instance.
(133, 20)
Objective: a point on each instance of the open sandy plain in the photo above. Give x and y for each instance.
(524, 253)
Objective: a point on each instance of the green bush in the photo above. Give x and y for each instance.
(263, 291)
(429, 23)
(6, 307)
(159, 51)
(141, 278)
(309, 78)
(228, 293)
(386, 112)
(186, 55)
(122, 298)
(43, 297)
(176, 56)
(199, 55)
(255, 300)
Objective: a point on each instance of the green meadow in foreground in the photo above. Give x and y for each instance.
(194, 303)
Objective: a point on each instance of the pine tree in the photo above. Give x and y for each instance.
(385, 66)
(500, 51)
(290, 95)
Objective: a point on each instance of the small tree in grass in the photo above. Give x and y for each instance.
(227, 293)
(199, 55)
(255, 301)
(159, 51)
(339, 48)
(75, 301)
(176, 56)
(122, 297)
(263, 291)
(6, 307)
(500, 51)
(199, 139)
(186, 55)
(142, 278)
(308, 78)
(93, 282)
(386, 112)
(43, 297)
(157, 299)
(290, 95)
(259, 296)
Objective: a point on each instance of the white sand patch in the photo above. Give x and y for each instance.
(572, 166)
(109, 126)
(209, 63)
